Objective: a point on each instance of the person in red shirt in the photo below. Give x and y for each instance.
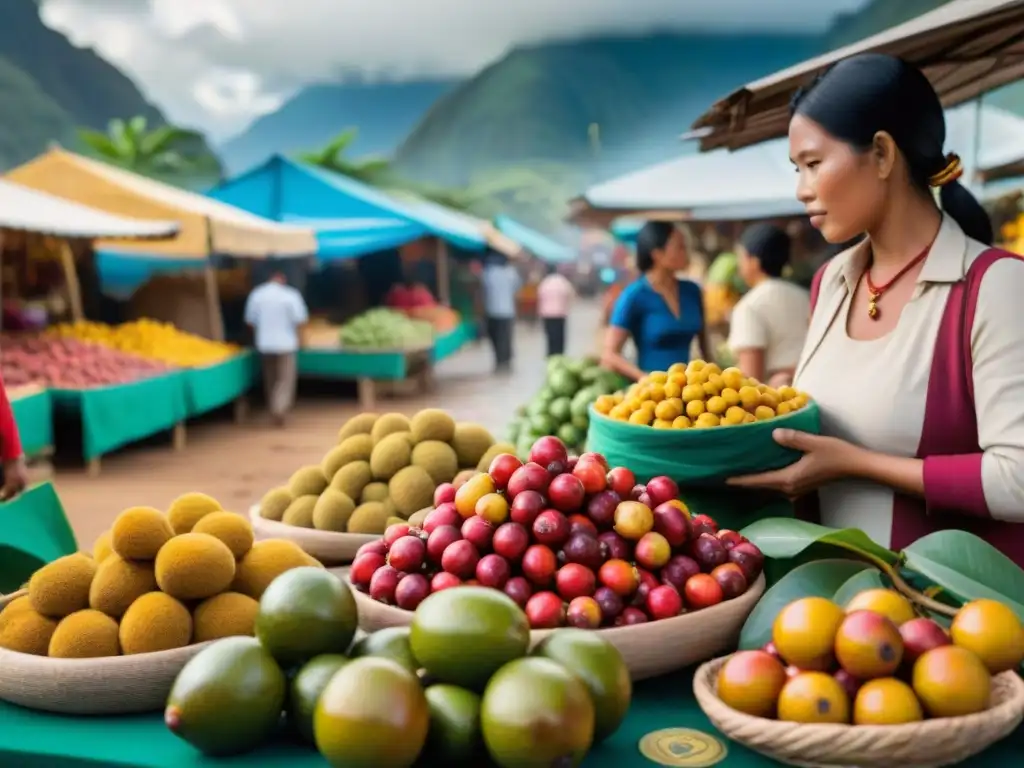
(12, 460)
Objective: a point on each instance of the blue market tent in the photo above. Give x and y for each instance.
(541, 246)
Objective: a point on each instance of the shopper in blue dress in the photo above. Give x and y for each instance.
(660, 312)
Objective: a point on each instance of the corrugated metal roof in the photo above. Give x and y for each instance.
(29, 210)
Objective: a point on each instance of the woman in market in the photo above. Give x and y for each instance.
(13, 472)
(659, 312)
(915, 352)
(769, 323)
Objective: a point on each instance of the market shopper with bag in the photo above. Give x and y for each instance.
(915, 352)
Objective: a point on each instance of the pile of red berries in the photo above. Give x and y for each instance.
(570, 539)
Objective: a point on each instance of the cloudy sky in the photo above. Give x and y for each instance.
(217, 64)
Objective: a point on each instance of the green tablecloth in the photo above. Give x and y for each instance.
(451, 342)
(33, 531)
(342, 364)
(115, 416)
(38, 740)
(212, 386)
(34, 417)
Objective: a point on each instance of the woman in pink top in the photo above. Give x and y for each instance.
(915, 351)
(554, 297)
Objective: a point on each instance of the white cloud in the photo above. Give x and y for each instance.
(219, 63)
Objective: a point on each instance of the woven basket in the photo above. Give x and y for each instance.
(927, 744)
(114, 685)
(649, 650)
(327, 547)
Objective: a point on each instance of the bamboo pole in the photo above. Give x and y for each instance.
(67, 260)
(216, 317)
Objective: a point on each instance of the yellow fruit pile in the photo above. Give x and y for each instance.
(874, 663)
(699, 395)
(151, 339)
(383, 470)
(154, 582)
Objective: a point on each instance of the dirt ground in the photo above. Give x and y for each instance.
(237, 463)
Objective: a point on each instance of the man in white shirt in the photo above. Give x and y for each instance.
(769, 324)
(275, 311)
(501, 282)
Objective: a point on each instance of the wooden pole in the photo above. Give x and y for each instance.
(212, 289)
(443, 274)
(67, 260)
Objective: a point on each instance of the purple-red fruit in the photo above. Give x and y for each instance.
(411, 591)
(460, 559)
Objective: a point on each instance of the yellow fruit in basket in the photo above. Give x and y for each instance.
(228, 614)
(307, 481)
(155, 622)
(15, 606)
(658, 377)
(150, 339)
(438, 459)
(139, 532)
(263, 563)
(118, 583)
(642, 418)
(411, 489)
(373, 492)
(731, 397)
(732, 378)
(432, 424)
(734, 415)
(333, 510)
(300, 512)
(693, 392)
(661, 424)
(813, 697)
(61, 587)
(786, 393)
(275, 502)
(352, 478)
(101, 547)
(355, 448)
(763, 413)
(951, 682)
(85, 634)
(682, 422)
(194, 566)
(620, 412)
(388, 424)
(750, 682)
(358, 425)
(695, 365)
(390, 454)
(695, 408)
(673, 389)
(706, 420)
(470, 442)
(716, 405)
(783, 409)
(992, 632)
(887, 602)
(188, 509)
(234, 530)
(371, 518)
(750, 398)
(886, 701)
(668, 410)
(26, 631)
(804, 632)
(868, 645)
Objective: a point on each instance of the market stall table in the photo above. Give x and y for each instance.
(120, 414)
(369, 368)
(211, 386)
(31, 739)
(33, 413)
(447, 344)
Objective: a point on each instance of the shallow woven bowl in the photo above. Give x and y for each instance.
(113, 685)
(327, 547)
(927, 744)
(649, 650)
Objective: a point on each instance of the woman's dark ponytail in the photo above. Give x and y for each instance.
(965, 210)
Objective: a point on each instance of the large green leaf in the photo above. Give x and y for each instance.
(860, 582)
(821, 578)
(786, 537)
(968, 567)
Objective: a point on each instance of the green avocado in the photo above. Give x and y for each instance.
(390, 643)
(228, 698)
(305, 689)
(454, 725)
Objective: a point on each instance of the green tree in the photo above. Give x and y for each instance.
(165, 152)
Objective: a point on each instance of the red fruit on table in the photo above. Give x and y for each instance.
(529, 477)
(411, 591)
(708, 551)
(547, 450)
(510, 541)
(584, 613)
(592, 475)
(678, 571)
(611, 604)
(545, 610)
(493, 571)
(444, 580)
(729, 538)
(621, 480)
(618, 547)
(601, 508)
(376, 547)
(584, 549)
(556, 468)
(519, 590)
(502, 467)
(850, 683)
(479, 533)
(664, 602)
(575, 580)
(731, 579)
(637, 491)
(407, 554)
(394, 533)
(582, 524)
(363, 568)
(920, 636)
(439, 540)
(647, 579)
(620, 577)
(444, 494)
(571, 462)
(445, 514)
(662, 489)
(702, 591)
(590, 456)
(525, 508)
(748, 557)
(652, 551)
(671, 523)
(460, 559)
(645, 499)
(551, 528)
(566, 493)
(703, 524)
(631, 616)
(383, 584)
(539, 564)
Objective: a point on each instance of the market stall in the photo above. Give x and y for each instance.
(209, 229)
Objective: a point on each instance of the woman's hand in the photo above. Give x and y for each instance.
(825, 459)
